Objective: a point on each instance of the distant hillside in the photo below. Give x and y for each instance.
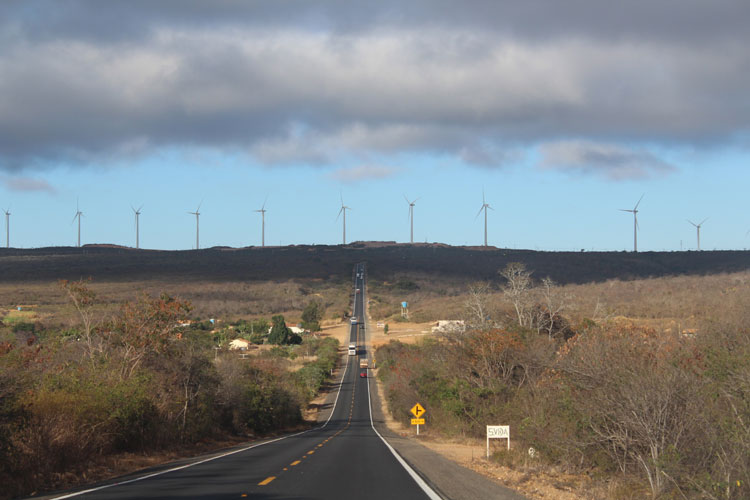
(112, 263)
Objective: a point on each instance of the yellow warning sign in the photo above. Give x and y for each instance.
(417, 421)
(418, 411)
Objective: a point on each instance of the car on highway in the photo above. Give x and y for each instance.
(363, 375)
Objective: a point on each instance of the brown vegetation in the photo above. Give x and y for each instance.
(660, 398)
(133, 377)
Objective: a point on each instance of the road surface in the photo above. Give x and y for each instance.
(343, 458)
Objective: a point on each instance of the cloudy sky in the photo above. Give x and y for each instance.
(561, 112)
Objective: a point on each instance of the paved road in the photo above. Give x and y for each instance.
(344, 458)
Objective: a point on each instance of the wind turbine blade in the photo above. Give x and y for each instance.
(488, 206)
(704, 220)
(133, 208)
(416, 200)
(693, 223)
(483, 202)
(407, 200)
(340, 210)
(480, 211)
(624, 210)
(639, 201)
(139, 208)
(264, 203)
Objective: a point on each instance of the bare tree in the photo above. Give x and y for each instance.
(517, 290)
(477, 305)
(84, 299)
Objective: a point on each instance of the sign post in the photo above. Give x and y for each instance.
(497, 432)
(417, 410)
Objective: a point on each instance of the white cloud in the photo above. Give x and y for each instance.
(28, 185)
(363, 172)
(608, 160)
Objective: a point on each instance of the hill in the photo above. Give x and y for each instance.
(112, 263)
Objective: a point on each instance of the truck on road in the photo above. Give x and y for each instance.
(352, 349)
(363, 363)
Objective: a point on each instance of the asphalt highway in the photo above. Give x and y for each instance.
(343, 458)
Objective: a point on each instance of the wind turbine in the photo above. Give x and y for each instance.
(411, 217)
(698, 230)
(7, 227)
(263, 223)
(78, 214)
(485, 206)
(137, 225)
(343, 210)
(197, 214)
(634, 211)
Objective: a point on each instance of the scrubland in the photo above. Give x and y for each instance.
(92, 373)
(640, 384)
(643, 386)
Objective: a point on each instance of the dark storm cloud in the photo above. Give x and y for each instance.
(289, 82)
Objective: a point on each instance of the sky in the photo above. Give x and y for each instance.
(559, 113)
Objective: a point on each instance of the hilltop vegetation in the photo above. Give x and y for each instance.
(334, 263)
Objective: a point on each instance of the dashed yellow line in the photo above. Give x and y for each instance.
(297, 462)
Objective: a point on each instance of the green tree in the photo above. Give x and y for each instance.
(279, 332)
(312, 315)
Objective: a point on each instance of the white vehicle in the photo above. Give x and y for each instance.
(352, 349)
(353, 320)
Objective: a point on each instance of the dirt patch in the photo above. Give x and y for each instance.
(407, 333)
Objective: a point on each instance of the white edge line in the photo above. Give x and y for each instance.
(417, 478)
(134, 480)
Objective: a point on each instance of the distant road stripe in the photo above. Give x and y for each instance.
(296, 462)
(266, 480)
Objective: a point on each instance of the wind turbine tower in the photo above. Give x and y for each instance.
(137, 226)
(263, 223)
(698, 230)
(197, 214)
(78, 215)
(485, 206)
(343, 210)
(634, 211)
(7, 227)
(411, 217)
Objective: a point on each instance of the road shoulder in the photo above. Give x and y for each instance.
(448, 478)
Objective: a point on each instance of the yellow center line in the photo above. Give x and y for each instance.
(296, 462)
(311, 452)
(266, 480)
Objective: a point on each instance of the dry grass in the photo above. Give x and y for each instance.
(229, 301)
